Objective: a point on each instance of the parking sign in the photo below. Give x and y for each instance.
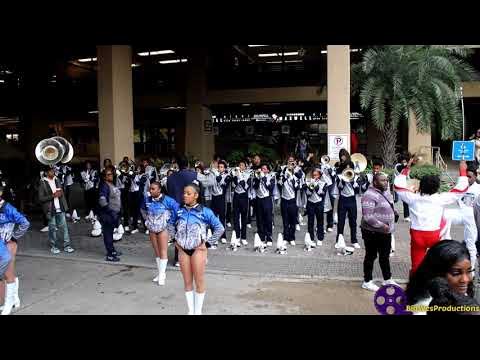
(463, 150)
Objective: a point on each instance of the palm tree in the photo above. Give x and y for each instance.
(401, 82)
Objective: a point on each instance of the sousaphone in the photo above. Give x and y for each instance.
(54, 150)
(359, 163)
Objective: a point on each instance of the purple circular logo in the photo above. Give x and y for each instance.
(391, 300)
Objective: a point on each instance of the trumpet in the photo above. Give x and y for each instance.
(258, 173)
(325, 159)
(311, 184)
(348, 175)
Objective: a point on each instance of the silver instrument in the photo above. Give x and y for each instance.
(53, 151)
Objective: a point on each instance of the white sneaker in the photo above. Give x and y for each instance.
(269, 243)
(224, 241)
(297, 227)
(249, 226)
(155, 279)
(68, 216)
(45, 229)
(329, 230)
(161, 279)
(134, 231)
(292, 243)
(55, 251)
(389, 282)
(370, 286)
(244, 242)
(127, 228)
(229, 225)
(147, 232)
(407, 219)
(177, 264)
(356, 246)
(69, 249)
(319, 243)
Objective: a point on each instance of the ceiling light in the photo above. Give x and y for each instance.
(2, 81)
(256, 45)
(87, 59)
(157, 52)
(324, 51)
(291, 53)
(135, 65)
(175, 61)
(93, 112)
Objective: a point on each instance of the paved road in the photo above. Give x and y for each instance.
(56, 286)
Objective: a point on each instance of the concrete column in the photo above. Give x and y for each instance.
(199, 142)
(418, 142)
(115, 102)
(338, 92)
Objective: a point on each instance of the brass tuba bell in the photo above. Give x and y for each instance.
(325, 159)
(348, 174)
(359, 163)
(54, 150)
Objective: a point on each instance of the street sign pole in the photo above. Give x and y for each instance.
(463, 113)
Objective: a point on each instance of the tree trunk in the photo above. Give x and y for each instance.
(388, 147)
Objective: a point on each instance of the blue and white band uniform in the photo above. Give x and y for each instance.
(316, 195)
(348, 189)
(241, 182)
(189, 226)
(158, 211)
(89, 178)
(264, 186)
(290, 184)
(220, 183)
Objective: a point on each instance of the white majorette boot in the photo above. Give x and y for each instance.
(9, 299)
(17, 298)
(258, 245)
(199, 303)
(281, 248)
(190, 302)
(234, 242)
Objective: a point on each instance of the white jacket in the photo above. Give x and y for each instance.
(426, 211)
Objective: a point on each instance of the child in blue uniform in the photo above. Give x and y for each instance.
(157, 209)
(188, 226)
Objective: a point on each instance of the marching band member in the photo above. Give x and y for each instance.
(252, 209)
(123, 181)
(157, 210)
(109, 211)
(67, 182)
(289, 182)
(398, 170)
(301, 195)
(221, 181)
(107, 163)
(376, 169)
(138, 188)
(54, 206)
(90, 179)
(426, 209)
(13, 225)
(347, 202)
(241, 183)
(264, 184)
(464, 215)
(328, 177)
(150, 171)
(316, 190)
(188, 225)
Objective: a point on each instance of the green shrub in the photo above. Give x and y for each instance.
(235, 156)
(418, 172)
(266, 153)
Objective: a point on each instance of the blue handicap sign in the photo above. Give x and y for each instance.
(463, 150)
